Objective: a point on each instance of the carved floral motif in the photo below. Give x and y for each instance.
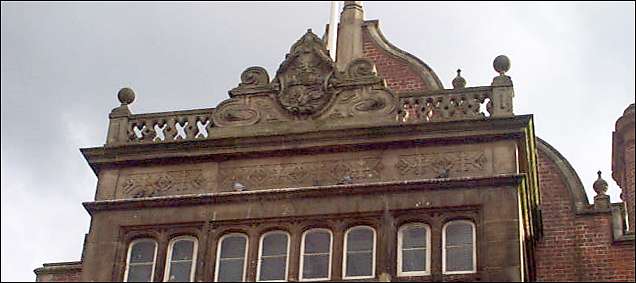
(326, 172)
(161, 183)
(442, 165)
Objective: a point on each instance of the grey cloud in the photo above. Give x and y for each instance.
(62, 64)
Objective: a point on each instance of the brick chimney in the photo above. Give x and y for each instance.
(623, 161)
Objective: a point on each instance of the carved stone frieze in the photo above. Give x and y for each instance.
(327, 172)
(442, 165)
(160, 183)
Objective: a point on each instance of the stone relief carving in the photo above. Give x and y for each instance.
(327, 172)
(161, 183)
(361, 92)
(302, 80)
(442, 165)
(254, 77)
(253, 80)
(235, 112)
(307, 86)
(333, 171)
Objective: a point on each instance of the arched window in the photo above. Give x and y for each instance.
(315, 255)
(181, 259)
(140, 261)
(414, 241)
(459, 253)
(231, 258)
(273, 256)
(359, 253)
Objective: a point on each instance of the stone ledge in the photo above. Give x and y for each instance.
(303, 192)
(58, 267)
(628, 238)
(252, 143)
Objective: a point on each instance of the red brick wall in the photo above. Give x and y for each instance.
(556, 253)
(576, 247)
(600, 260)
(399, 76)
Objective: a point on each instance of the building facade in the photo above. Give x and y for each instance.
(363, 168)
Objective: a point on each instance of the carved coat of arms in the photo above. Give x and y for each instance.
(302, 79)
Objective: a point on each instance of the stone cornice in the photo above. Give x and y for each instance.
(306, 140)
(305, 192)
(59, 267)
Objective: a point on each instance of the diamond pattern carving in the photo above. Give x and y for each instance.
(160, 184)
(328, 172)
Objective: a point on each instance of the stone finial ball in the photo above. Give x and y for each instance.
(126, 95)
(501, 64)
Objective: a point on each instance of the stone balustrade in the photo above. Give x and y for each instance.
(357, 97)
(169, 126)
(445, 105)
(417, 107)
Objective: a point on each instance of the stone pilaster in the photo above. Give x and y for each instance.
(349, 34)
(117, 127)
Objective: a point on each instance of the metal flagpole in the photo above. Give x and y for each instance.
(333, 30)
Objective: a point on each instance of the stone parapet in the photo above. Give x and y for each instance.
(59, 272)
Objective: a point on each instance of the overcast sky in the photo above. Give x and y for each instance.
(63, 63)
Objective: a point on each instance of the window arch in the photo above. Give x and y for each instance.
(413, 250)
(359, 253)
(273, 256)
(315, 255)
(140, 260)
(459, 254)
(181, 259)
(231, 258)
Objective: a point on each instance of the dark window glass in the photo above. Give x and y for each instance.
(141, 261)
(359, 256)
(413, 245)
(459, 246)
(273, 261)
(232, 259)
(181, 261)
(316, 253)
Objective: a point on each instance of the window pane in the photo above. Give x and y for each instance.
(140, 273)
(142, 252)
(459, 247)
(359, 264)
(182, 250)
(459, 259)
(231, 270)
(233, 247)
(275, 244)
(180, 271)
(459, 234)
(273, 268)
(414, 237)
(317, 242)
(414, 260)
(360, 240)
(315, 266)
